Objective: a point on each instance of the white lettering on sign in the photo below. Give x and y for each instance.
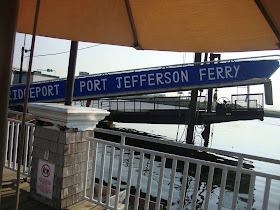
(142, 79)
(35, 92)
(159, 77)
(45, 174)
(218, 73)
(152, 79)
(93, 85)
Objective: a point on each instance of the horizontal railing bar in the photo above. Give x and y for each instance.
(250, 94)
(181, 158)
(187, 146)
(18, 121)
(100, 204)
(19, 113)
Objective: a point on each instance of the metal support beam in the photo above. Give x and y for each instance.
(21, 64)
(8, 25)
(132, 25)
(207, 127)
(268, 93)
(269, 21)
(71, 73)
(192, 109)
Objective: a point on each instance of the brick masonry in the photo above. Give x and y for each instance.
(67, 150)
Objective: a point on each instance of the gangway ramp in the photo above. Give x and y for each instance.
(175, 110)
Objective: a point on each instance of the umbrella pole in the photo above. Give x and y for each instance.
(22, 130)
(8, 24)
(71, 73)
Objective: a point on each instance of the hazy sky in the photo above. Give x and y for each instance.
(108, 58)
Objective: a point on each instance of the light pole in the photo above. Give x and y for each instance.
(21, 60)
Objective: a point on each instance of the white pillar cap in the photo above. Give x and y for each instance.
(76, 117)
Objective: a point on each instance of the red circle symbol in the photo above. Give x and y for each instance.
(46, 170)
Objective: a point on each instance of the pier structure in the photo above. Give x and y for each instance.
(85, 163)
(175, 110)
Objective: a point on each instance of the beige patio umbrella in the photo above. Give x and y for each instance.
(172, 25)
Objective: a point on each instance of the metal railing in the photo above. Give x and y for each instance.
(247, 101)
(11, 156)
(198, 186)
(148, 103)
(141, 104)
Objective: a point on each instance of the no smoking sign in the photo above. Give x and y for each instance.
(45, 174)
(46, 170)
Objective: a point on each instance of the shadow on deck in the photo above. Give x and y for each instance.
(26, 201)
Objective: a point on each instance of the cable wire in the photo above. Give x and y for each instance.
(63, 52)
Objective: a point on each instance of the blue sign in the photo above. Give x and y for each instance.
(146, 81)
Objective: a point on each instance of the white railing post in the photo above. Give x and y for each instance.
(237, 182)
(100, 188)
(266, 192)
(110, 175)
(196, 185)
(15, 147)
(184, 185)
(86, 169)
(173, 173)
(209, 187)
(138, 186)
(130, 167)
(119, 172)
(11, 144)
(161, 175)
(148, 193)
(251, 191)
(95, 148)
(222, 190)
(7, 142)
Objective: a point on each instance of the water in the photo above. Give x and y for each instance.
(254, 137)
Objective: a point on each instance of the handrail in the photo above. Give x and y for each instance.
(19, 122)
(182, 158)
(194, 176)
(17, 112)
(12, 139)
(187, 146)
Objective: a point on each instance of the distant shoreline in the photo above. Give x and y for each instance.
(272, 113)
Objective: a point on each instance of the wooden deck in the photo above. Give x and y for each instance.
(26, 202)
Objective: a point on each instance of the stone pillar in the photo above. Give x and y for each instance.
(60, 134)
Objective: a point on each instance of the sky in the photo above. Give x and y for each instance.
(98, 58)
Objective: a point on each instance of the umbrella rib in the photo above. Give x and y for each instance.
(269, 21)
(132, 25)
